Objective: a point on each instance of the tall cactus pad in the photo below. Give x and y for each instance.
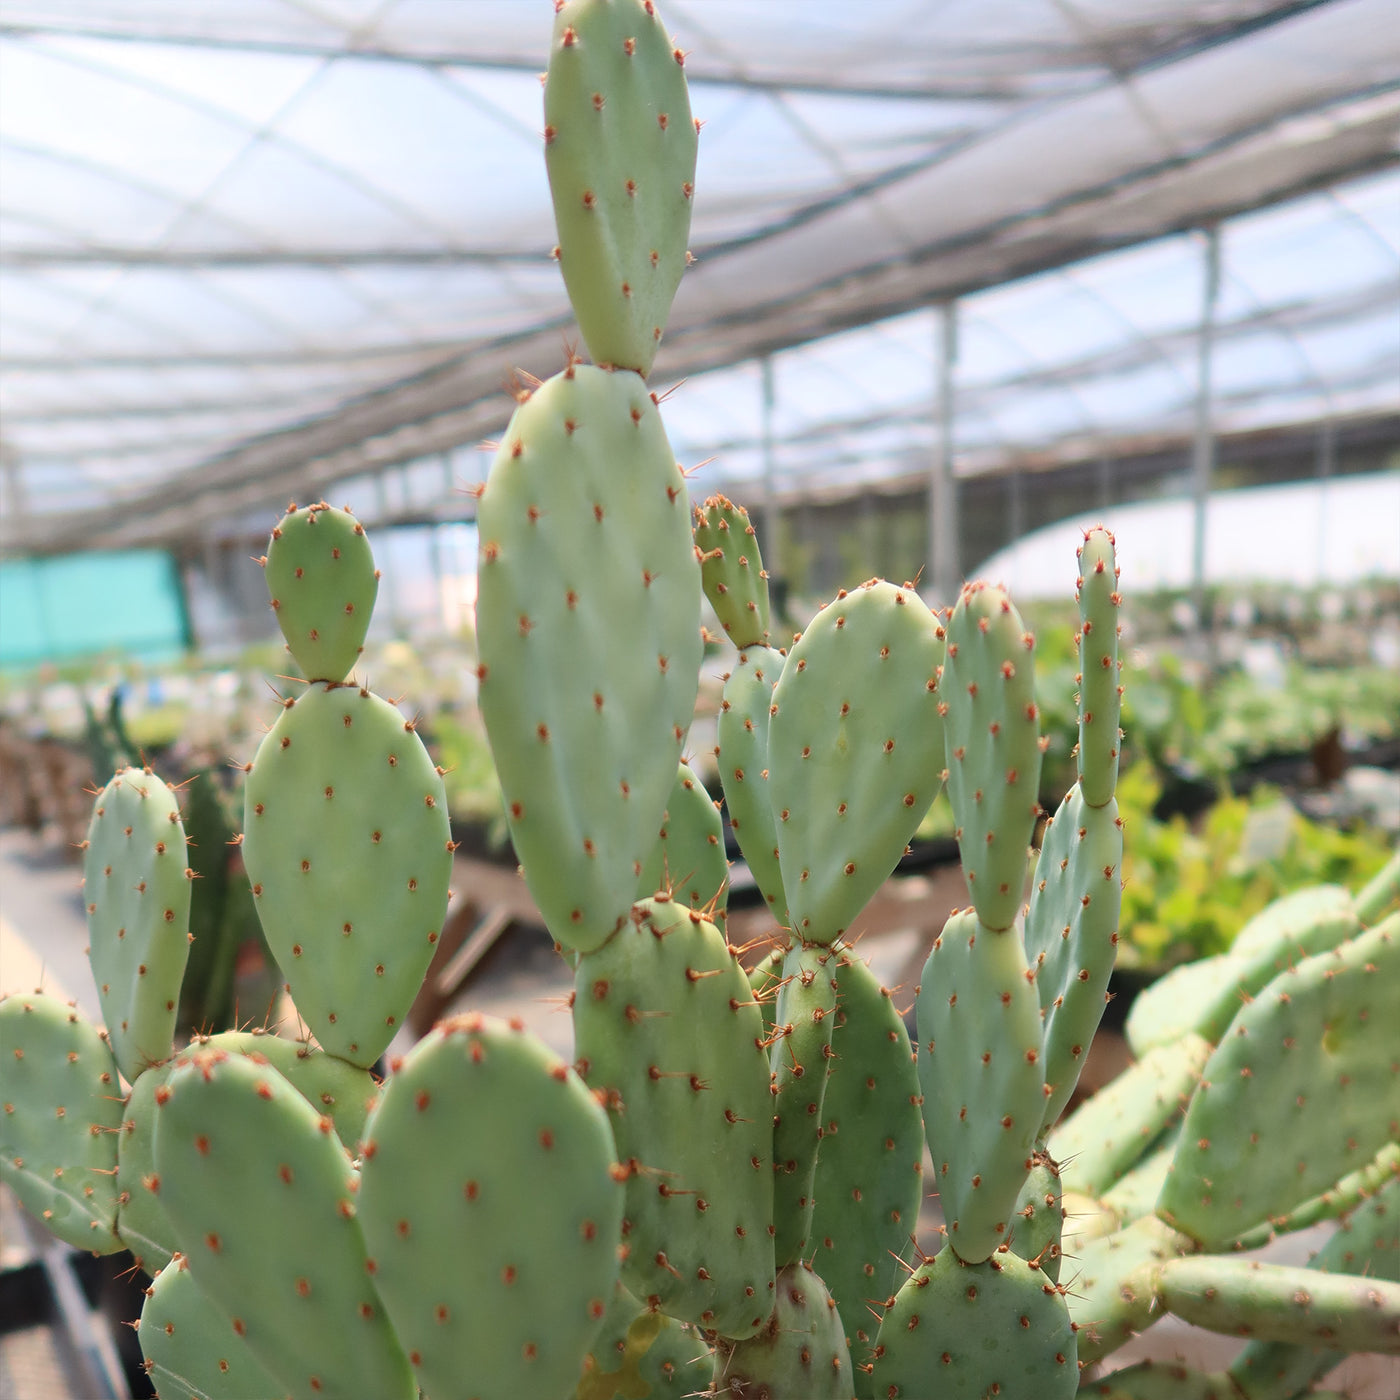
(855, 751)
(1105, 1136)
(731, 570)
(688, 860)
(137, 889)
(640, 1352)
(192, 1351)
(742, 757)
(801, 1354)
(1284, 1303)
(1100, 694)
(996, 1328)
(800, 1056)
(667, 1031)
(1252, 1147)
(589, 636)
(869, 1180)
(1072, 934)
(620, 147)
(993, 743)
(492, 1208)
(982, 1076)
(1040, 1218)
(346, 841)
(60, 1107)
(322, 580)
(259, 1187)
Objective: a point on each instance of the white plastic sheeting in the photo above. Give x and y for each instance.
(250, 248)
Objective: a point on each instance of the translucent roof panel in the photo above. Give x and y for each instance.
(249, 248)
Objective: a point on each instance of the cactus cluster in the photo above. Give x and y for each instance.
(721, 1195)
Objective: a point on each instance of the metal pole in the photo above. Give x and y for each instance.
(1203, 449)
(768, 545)
(1326, 464)
(1016, 488)
(944, 574)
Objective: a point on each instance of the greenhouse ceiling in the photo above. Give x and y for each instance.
(250, 249)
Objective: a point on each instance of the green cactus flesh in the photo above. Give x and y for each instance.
(982, 1076)
(1284, 1303)
(138, 914)
(259, 1188)
(1100, 694)
(1203, 996)
(191, 1349)
(1115, 1289)
(799, 1057)
(641, 1354)
(1110, 1132)
(1135, 1193)
(668, 1033)
(801, 1353)
(491, 1205)
(60, 1108)
(1253, 1146)
(731, 571)
(620, 148)
(1040, 1217)
(322, 581)
(741, 755)
(1381, 895)
(347, 843)
(1160, 1380)
(993, 744)
(688, 860)
(855, 751)
(1071, 935)
(589, 638)
(766, 981)
(994, 1328)
(1346, 1193)
(869, 1181)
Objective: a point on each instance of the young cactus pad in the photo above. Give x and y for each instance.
(322, 581)
(732, 571)
(137, 887)
(347, 843)
(1100, 694)
(588, 624)
(491, 1204)
(620, 149)
(58, 1119)
(855, 751)
(688, 859)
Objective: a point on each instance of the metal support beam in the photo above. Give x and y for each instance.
(1016, 490)
(768, 545)
(1326, 465)
(945, 576)
(1203, 448)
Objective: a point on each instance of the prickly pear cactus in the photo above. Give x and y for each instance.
(731, 570)
(688, 858)
(137, 886)
(620, 148)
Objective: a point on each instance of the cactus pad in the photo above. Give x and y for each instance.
(589, 636)
(731, 571)
(620, 148)
(855, 751)
(639, 1353)
(993, 745)
(982, 1076)
(688, 858)
(259, 1187)
(137, 888)
(492, 1208)
(60, 1107)
(995, 1328)
(322, 580)
(346, 841)
(1100, 694)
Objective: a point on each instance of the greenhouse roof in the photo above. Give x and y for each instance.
(252, 249)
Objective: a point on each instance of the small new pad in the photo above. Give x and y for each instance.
(60, 1106)
(688, 860)
(731, 571)
(491, 1205)
(855, 751)
(137, 888)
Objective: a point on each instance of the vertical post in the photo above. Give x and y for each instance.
(1104, 471)
(1326, 464)
(381, 488)
(769, 543)
(944, 575)
(1203, 448)
(1016, 489)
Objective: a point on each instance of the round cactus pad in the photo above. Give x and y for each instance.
(491, 1203)
(60, 1107)
(137, 887)
(855, 751)
(588, 630)
(322, 580)
(620, 148)
(347, 844)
